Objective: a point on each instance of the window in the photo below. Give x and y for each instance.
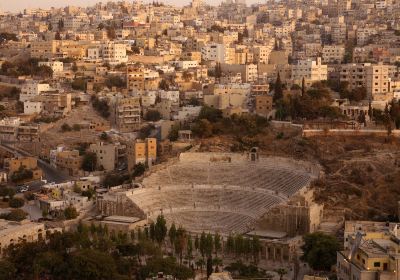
(377, 264)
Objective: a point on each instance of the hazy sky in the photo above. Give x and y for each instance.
(19, 5)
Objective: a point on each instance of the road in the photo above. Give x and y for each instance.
(51, 174)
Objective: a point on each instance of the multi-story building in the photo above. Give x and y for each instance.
(261, 53)
(333, 54)
(218, 53)
(374, 77)
(14, 165)
(56, 66)
(114, 53)
(377, 82)
(13, 129)
(310, 70)
(263, 104)
(141, 151)
(135, 79)
(43, 49)
(371, 251)
(108, 155)
(69, 162)
(32, 89)
(126, 113)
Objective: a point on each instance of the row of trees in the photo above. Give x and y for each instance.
(26, 68)
(311, 104)
(211, 121)
(92, 252)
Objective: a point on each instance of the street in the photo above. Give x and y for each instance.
(50, 173)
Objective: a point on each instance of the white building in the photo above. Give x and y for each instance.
(216, 52)
(310, 70)
(32, 89)
(114, 53)
(170, 95)
(56, 66)
(32, 107)
(186, 64)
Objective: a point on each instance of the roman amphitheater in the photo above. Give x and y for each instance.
(218, 192)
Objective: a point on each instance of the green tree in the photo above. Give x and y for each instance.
(180, 243)
(70, 213)
(172, 233)
(203, 244)
(7, 270)
(89, 162)
(138, 170)
(189, 247)
(160, 229)
(173, 134)
(197, 243)
(152, 115)
(203, 128)
(217, 243)
(91, 264)
(278, 89)
(209, 267)
(319, 250)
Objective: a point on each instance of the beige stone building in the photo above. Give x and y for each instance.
(141, 151)
(126, 113)
(12, 233)
(263, 104)
(108, 155)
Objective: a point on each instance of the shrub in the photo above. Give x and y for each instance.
(66, 127)
(16, 202)
(152, 115)
(16, 215)
(70, 213)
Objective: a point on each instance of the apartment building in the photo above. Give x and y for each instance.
(126, 113)
(263, 105)
(353, 74)
(43, 49)
(311, 70)
(32, 89)
(13, 129)
(14, 165)
(51, 103)
(191, 56)
(374, 77)
(261, 54)
(108, 155)
(218, 53)
(377, 82)
(135, 79)
(141, 151)
(371, 251)
(56, 66)
(68, 161)
(333, 54)
(114, 53)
